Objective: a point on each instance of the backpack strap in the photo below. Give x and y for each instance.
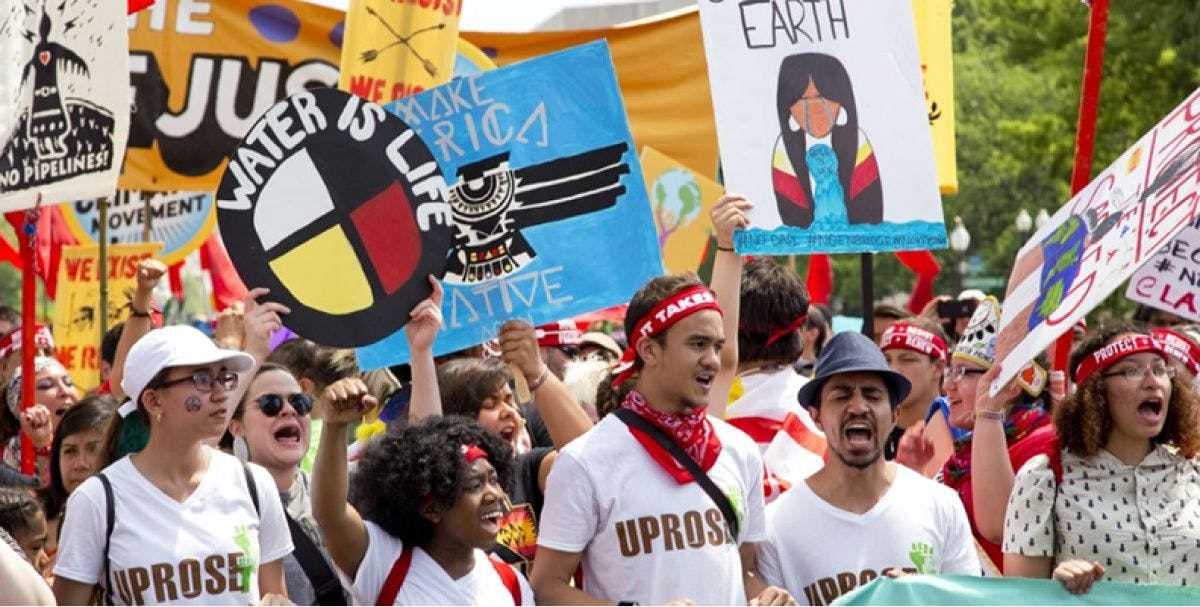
(251, 486)
(395, 578)
(325, 584)
(110, 515)
(509, 577)
(714, 493)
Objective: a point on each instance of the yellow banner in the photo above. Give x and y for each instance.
(202, 72)
(663, 76)
(76, 325)
(937, 66)
(680, 199)
(396, 48)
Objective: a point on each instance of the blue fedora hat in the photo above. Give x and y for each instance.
(851, 352)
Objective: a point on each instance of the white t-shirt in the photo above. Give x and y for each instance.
(819, 552)
(427, 583)
(203, 551)
(643, 536)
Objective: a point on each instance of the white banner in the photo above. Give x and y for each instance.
(64, 100)
(1125, 216)
(821, 121)
(1171, 279)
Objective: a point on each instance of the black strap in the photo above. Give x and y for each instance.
(720, 499)
(110, 513)
(324, 582)
(250, 485)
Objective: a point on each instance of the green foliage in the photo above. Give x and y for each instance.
(1018, 68)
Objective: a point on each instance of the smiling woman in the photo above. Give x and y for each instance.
(1118, 502)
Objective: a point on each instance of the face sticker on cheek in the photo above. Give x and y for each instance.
(192, 404)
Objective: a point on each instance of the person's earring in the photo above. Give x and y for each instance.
(842, 117)
(792, 124)
(241, 449)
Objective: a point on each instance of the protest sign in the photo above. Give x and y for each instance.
(551, 214)
(396, 49)
(975, 590)
(179, 220)
(76, 321)
(1126, 215)
(202, 72)
(821, 120)
(339, 208)
(681, 199)
(1171, 279)
(64, 110)
(932, 19)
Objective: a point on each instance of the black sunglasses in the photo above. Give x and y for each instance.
(272, 404)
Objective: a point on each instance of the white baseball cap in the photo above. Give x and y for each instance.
(175, 346)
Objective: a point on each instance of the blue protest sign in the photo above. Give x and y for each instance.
(551, 213)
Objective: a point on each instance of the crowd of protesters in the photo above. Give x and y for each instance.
(734, 452)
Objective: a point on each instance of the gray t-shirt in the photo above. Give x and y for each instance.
(298, 504)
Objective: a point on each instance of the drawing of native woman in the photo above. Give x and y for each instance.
(823, 168)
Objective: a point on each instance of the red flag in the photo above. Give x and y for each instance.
(227, 285)
(133, 6)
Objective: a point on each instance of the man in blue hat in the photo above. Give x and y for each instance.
(860, 516)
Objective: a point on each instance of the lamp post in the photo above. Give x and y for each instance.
(1042, 218)
(1023, 222)
(960, 240)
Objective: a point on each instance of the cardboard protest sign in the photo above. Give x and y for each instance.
(179, 220)
(1126, 215)
(681, 199)
(932, 19)
(64, 109)
(1171, 279)
(396, 49)
(76, 314)
(550, 208)
(341, 210)
(203, 71)
(821, 121)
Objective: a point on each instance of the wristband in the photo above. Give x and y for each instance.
(622, 603)
(996, 416)
(540, 379)
(721, 248)
(135, 313)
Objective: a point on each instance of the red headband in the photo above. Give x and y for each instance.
(1105, 357)
(1180, 348)
(912, 337)
(780, 333)
(11, 342)
(668, 312)
(472, 453)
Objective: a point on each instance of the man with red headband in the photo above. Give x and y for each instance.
(623, 501)
(772, 307)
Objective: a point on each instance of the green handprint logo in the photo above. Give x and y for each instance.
(248, 562)
(921, 555)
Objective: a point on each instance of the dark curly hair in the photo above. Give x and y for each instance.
(465, 382)
(651, 294)
(609, 397)
(772, 297)
(18, 510)
(1084, 422)
(410, 466)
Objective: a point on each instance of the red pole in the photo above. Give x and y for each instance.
(1085, 134)
(27, 239)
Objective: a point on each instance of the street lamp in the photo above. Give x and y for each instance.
(960, 240)
(1024, 222)
(1042, 218)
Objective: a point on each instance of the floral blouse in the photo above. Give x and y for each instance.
(1141, 522)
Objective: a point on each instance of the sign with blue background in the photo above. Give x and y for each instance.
(551, 213)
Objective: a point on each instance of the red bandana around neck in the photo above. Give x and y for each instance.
(668, 312)
(692, 431)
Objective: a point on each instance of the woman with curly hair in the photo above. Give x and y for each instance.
(1117, 501)
(430, 497)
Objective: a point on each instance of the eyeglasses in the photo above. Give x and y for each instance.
(1133, 374)
(953, 374)
(272, 404)
(205, 381)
